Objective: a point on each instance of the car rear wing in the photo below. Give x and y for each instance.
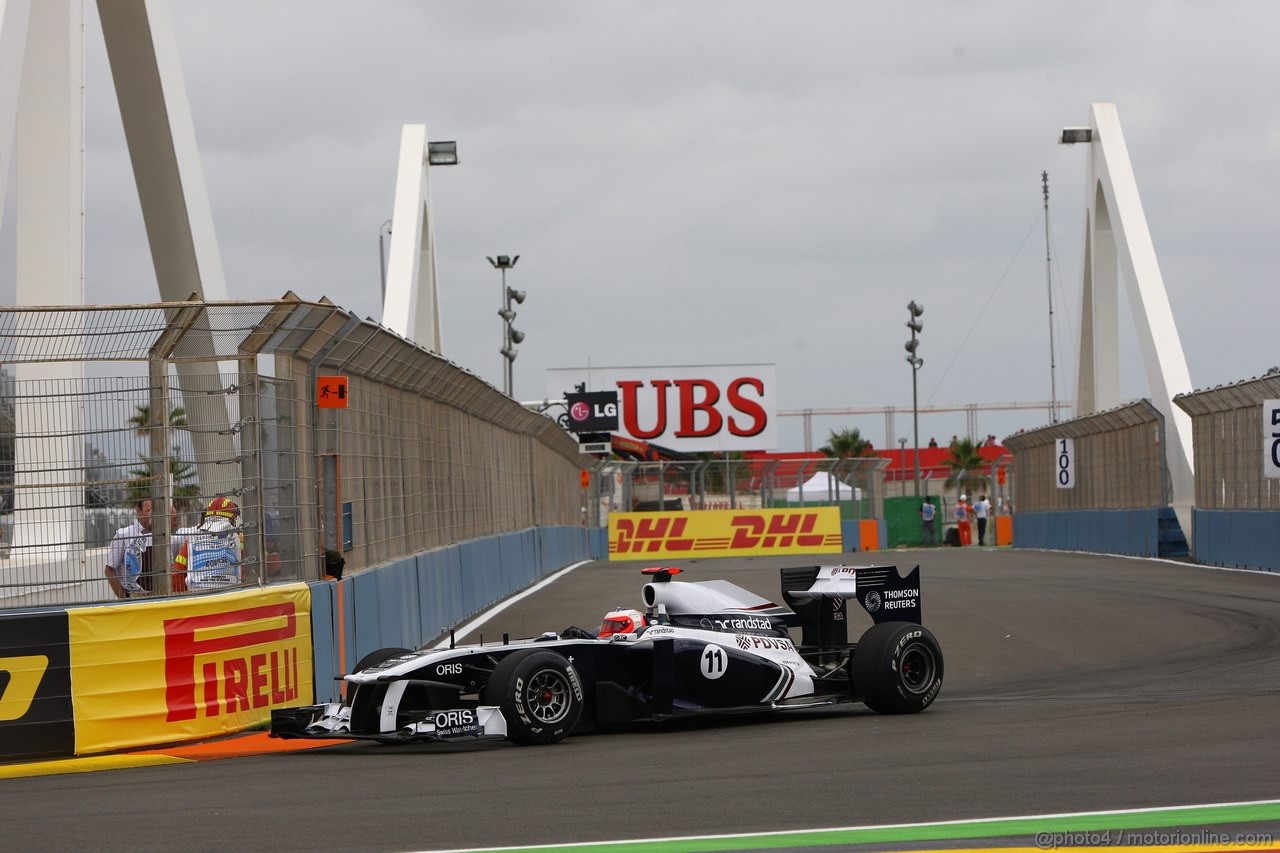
(818, 595)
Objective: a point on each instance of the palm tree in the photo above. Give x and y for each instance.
(142, 418)
(846, 444)
(181, 472)
(966, 458)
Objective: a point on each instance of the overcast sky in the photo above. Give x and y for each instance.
(724, 182)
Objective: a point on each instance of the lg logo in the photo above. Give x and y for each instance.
(581, 411)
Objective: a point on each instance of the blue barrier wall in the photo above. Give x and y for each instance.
(413, 601)
(1134, 532)
(1237, 538)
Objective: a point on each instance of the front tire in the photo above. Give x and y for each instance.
(540, 695)
(897, 668)
(372, 659)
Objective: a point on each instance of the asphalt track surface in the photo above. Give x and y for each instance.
(1073, 683)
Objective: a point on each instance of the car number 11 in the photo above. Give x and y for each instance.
(714, 661)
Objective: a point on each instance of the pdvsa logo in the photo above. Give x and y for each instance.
(212, 666)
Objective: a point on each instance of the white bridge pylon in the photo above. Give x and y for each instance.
(1116, 239)
(42, 118)
(411, 304)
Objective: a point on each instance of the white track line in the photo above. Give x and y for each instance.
(467, 627)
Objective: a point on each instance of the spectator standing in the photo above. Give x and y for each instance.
(982, 511)
(209, 554)
(962, 513)
(927, 523)
(129, 558)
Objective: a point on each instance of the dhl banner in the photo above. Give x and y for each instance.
(724, 533)
(164, 671)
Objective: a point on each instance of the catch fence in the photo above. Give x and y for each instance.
(1097, 483)
(1236, 441)
(1230, 445)
(1116, 456)
(103, 406)
(855, 485)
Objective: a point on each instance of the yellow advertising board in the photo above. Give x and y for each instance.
(164, 671)
(724, 533)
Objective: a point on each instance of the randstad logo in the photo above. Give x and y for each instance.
(24, 677)
(206, 673)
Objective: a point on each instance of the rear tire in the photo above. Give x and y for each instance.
(540, 695)
(897, 668)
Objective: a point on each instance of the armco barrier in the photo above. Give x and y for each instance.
(1134, 532)
(1237, 538)
(140, 673)
(413, 601)
(107, 677)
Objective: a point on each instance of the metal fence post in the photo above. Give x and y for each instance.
(252, 515)
(159, 468)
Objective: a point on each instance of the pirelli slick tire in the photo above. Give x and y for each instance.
(540, 694)
(897, 668)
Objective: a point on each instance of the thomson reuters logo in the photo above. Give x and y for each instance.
(579, 411)
(223, 663)
(872, 601)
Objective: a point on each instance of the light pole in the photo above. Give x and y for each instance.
(914, 324)
(510, 335)
(383, 230)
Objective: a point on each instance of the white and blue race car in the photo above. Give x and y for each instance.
(698, 648)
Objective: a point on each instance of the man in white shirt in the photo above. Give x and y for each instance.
(128, 560)
(982, 510)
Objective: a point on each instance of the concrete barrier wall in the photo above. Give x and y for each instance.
(1237, 538)
(1134, 532)
(413, 601)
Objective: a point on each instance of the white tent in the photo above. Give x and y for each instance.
(822, 488)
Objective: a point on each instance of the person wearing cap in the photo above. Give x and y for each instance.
(209, 554)
(962, 514)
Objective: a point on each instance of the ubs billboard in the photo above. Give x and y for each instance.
(689, 408)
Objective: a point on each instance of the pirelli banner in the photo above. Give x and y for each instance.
(724, 533)
(35, 686)
(164, 671)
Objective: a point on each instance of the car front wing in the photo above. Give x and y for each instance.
(333, 720)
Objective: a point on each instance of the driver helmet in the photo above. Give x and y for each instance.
(621, 622)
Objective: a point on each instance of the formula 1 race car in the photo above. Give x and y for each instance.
(699, 648)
